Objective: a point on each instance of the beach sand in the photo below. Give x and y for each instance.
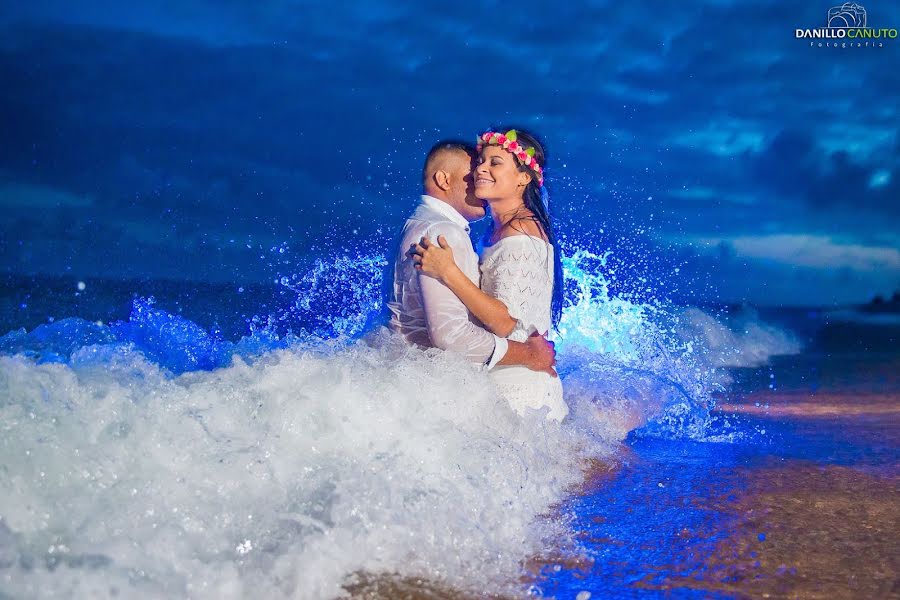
(808, 528)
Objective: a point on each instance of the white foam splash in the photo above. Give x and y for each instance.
(746, 341)
(277, 479)
(284, 476)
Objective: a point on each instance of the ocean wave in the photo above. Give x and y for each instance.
(283, 476)
(152, 458)
(743, 340)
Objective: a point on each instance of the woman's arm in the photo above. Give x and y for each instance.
(437, 261)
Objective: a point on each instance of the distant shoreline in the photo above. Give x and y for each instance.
(10, 280)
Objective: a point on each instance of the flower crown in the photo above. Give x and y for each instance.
(508, 142)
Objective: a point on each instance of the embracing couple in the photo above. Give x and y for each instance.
(495, 311)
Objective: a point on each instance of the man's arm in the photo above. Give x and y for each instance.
(538, 354)
(450, 328)
(448, 320)
(439, 261)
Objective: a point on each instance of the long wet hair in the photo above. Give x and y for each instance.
(535, 201)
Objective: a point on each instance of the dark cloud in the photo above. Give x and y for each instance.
(188, 126)
(829, 183)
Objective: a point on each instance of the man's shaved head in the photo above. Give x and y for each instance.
(443, 153)
(447, 176)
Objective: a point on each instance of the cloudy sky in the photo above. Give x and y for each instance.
(187, 140)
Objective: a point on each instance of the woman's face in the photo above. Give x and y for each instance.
(497, 175)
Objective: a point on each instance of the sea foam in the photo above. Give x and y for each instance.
(279, 478)
(151, 458)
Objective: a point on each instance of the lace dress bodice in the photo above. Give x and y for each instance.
(518, 270)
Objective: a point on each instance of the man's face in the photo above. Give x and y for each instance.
(462, 188)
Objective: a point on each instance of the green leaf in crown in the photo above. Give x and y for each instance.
(511, 135)
(530, 151)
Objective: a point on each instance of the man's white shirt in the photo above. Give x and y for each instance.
(424, 310)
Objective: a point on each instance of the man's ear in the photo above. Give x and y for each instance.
(442, 179)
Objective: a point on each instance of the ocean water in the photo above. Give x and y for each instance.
(171, 440)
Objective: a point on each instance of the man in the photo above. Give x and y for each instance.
(422, 309)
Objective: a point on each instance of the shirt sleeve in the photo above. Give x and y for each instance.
(501, 345)
(449, 325)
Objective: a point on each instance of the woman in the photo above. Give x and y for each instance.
(521, 274)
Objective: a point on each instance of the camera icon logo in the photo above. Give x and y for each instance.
(848, 14)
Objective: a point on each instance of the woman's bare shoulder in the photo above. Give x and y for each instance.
(522, 226)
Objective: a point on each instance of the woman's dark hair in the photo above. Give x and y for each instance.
(534, 202)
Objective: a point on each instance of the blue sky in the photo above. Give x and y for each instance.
(187, 140)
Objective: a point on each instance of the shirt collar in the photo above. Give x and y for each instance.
(445, 210)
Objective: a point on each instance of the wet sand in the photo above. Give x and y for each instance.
(806, 531)
(812, 528)
(819, 516)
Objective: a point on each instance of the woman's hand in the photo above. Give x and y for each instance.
(435, 260)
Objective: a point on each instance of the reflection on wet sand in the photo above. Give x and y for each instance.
(805, 505)
(821, 526)
(806, 531)
(800, 404)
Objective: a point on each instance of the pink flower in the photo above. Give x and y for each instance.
(513, 146)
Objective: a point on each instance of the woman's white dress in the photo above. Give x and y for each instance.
(518, 270)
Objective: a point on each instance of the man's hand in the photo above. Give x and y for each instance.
(541, 354)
